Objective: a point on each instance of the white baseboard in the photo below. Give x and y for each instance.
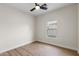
(39, 41)
(75, 49)
(16, 46)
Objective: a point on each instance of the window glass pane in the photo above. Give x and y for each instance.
(51, 30)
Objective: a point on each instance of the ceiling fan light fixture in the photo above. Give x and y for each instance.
(37, 7)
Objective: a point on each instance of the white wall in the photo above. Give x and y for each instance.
(67, 27)
(16, 28)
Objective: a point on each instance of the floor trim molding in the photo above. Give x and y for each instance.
(37, 41)
(16, 46)
(75, 49)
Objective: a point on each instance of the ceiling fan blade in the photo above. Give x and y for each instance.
(44, 5)
(36, 4)
(32, 9)
(44, 8)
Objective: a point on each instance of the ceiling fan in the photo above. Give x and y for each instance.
(37, 6)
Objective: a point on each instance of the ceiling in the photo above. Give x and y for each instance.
(25, 7)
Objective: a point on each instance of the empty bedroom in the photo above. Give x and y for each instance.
(39, 29)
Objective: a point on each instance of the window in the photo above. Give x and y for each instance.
(52, 28)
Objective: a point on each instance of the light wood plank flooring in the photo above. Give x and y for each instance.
(39, 49)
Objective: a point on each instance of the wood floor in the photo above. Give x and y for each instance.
(39, 49)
